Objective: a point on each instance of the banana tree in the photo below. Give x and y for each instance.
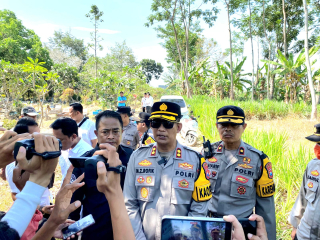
(293, 69)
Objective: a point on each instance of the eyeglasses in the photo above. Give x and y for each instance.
(165, 124)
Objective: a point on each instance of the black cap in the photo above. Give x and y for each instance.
(231, 114)
(29, 111)
(166, 110)
(195, 226)
(124, 110)
(143, 117)
(315, 137)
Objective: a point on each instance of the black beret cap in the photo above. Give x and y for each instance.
(231, 114)
(124, 110)
(315, 137)
(166, 110)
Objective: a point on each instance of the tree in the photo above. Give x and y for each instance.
(69, 45)
(151, 69)
(306, 46)
(95, 17)
(169, 11)
(17, 43)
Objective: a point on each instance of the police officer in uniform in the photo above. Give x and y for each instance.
(195, 232)
(164, 178)
(143, 127)
(130, 135)
(241, 176)
(304, 216)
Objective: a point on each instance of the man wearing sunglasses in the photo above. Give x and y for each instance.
(165, 178)
(143, 127)
(241, 176)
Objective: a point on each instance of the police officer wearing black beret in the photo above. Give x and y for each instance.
(241, 176)
(130, 135)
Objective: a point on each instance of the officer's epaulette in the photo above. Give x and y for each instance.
(215, 145)
(260, 153)
(190, 149)
(145, 147)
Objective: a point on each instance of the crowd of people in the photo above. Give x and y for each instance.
(229, 179)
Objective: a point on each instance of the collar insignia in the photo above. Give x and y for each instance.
(241, 151)
(153, 151)
(178, 153)
(219, 148)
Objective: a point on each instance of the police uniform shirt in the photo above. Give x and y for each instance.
(151, 191)
(305, 213)
(238, 185)
(86, 131)
(130, 136)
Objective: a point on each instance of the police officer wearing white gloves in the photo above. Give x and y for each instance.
(164, 178)
(241, 176)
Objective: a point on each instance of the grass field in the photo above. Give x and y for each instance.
(281, 135)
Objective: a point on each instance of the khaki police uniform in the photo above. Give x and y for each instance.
(130, 136)
(244, 183)
(151, 190)
(305, 215)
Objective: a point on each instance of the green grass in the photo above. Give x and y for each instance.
(289, 159)
(262, 110)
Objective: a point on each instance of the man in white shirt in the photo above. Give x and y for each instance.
(86, 126)
(143, 102)
(66, 130)
(149, 103)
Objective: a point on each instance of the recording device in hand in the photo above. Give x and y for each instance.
(28, 144)
(248, 226)
(90, 165)
(175, 227)
(77, 226)
(207, 149)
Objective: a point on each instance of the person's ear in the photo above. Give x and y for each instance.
(96, 133)
(179, 127)
(244, 126)
(217, 125)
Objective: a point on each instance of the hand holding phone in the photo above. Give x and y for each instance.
(78, 226)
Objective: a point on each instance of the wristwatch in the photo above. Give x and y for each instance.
(117, 169)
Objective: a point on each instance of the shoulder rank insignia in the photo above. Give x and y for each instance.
(153, 151)
(241, 151)
(178, 153)
(219, 148)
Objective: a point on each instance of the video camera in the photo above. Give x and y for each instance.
(90, 165)
(28, 144)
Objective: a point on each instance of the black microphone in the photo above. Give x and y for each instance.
(163, 160)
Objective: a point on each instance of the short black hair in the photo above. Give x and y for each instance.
(77, 107)
(108, 114)
(145, 93)
(68, 126)
(23, 124)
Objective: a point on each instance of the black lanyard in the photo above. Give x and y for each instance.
(83, 120)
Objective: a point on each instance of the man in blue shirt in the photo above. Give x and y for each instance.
(122, 100)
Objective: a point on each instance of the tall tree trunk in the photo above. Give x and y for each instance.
(311, 87)
(231, 64)
(252, 53)
(284, 28)
(272, 86)
(257, 74)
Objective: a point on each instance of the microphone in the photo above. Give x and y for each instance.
(163, 160)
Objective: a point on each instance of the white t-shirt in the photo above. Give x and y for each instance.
(143, 101)
(86, 131)
(149, 101)
(77, 151)
(45, 199)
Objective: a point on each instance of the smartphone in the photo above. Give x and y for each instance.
(77, 226)
(248, 226)
(78, 162)
(186, 228)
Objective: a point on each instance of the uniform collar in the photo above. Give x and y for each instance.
(242, 150)
(179, 153)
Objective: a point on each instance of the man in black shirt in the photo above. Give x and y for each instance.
(109, 127)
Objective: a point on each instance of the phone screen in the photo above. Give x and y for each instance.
(248, 226)
(182, 229)
(78, 226)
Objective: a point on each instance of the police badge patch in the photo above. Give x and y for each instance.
(269, 170)
(241, 190)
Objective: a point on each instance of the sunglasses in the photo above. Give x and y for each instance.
(165, 124)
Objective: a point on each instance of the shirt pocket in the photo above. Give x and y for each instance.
(311, 190)
(145, 187)
(181, 192)
(241, 186)
(128, 139)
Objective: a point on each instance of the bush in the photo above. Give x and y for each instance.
(8, 123)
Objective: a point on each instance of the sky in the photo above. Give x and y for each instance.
(123, 21)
